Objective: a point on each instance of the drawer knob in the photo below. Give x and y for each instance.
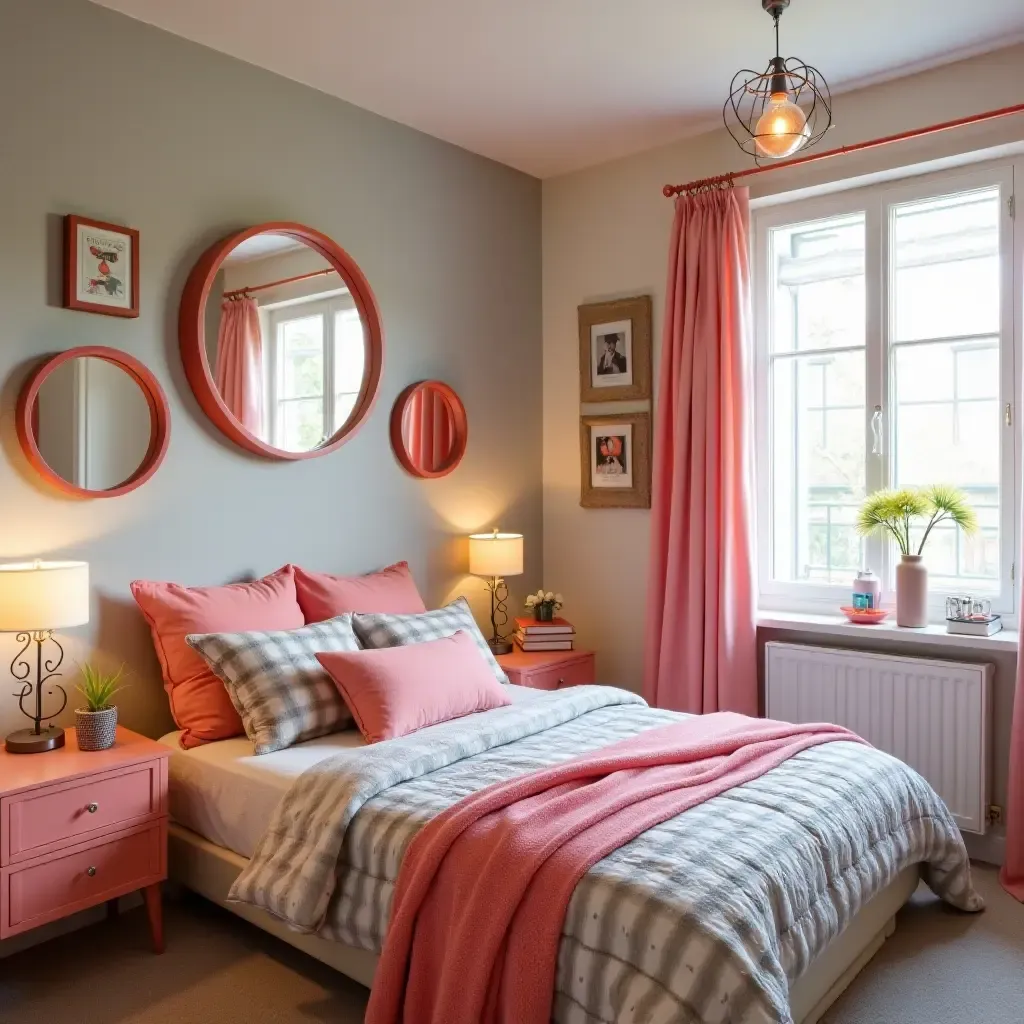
(93, 808)
(91, 872)
(561, 682)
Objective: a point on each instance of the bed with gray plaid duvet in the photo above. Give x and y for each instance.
(707, 918)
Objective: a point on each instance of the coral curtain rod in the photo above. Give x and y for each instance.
(917, 133)
(277, 284)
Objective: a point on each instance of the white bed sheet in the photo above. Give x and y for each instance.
(225, 793)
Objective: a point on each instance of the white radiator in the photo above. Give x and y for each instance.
(933, 715)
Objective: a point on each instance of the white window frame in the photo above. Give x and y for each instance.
(875, 201)
(275, 315)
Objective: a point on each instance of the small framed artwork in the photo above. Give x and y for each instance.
(615, 461)
(101, 267)
(615, 350)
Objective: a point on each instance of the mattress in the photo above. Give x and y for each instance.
(227, 794)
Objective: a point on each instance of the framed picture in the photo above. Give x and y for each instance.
(615, 461)
(615, 350)
(101, 267)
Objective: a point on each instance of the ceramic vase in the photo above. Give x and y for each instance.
(544, 612)
(96, 730)
(911, 592)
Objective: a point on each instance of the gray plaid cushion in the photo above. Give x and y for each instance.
(379, 630)
(281, 692)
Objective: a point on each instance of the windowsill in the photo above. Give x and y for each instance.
(932, 635)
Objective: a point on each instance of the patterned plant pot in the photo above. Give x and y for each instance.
(544, 612)
(96, 730)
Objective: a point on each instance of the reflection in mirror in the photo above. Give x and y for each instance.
(428, 429)
(91, 423)
(285, 342)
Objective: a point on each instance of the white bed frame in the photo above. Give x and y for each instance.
(210, 870)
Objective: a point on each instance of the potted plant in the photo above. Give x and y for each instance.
(544, 605)
(96, 723)
(897, 512)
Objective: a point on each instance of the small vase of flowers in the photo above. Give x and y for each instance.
(544, 605)
(96, 723)
(899, 512)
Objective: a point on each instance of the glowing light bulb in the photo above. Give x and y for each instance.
(782, 129)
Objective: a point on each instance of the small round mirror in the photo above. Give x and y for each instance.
(428, 429)
(94, 422)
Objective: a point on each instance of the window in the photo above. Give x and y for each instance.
(885, 357)
(315, 369)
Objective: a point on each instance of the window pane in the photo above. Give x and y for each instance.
(817, 291)
(946, 273)
(300, 424)
(818, 466)
(349, 361)
(947, 425)
(302, 357)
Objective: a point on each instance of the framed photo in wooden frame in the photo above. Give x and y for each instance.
(615, 460)
(101, 267)
(615, 350)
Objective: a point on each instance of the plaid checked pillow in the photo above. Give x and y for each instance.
(381, 630)
(281, 692)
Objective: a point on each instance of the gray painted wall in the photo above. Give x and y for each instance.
(116, 120)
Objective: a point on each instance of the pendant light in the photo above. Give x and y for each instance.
(773, 114)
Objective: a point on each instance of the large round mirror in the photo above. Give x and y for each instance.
(429, 429)
(281, 340)
(94, 422)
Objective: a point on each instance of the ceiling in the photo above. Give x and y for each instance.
(259, 246)
(550, 86)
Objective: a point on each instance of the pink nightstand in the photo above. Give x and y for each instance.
(548, 670)
(81, 828)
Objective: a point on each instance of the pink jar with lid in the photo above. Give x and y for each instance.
(867, 590)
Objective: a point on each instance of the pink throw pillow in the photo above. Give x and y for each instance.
(390, 591)
(200, 704)
(394, 691)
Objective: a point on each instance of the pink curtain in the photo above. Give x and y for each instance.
(239, 373)
(701, 650)
(429, 440)
(1012, 875)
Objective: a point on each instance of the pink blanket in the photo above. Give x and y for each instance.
(484, 887)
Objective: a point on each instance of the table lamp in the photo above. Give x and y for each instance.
(495, 556)
(37, 598)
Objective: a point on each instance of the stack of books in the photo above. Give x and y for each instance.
(544, 636)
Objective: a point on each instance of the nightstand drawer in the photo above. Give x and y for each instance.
(62, 883)
(569, 673)
(40, 820)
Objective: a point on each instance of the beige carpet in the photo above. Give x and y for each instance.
(940, 967)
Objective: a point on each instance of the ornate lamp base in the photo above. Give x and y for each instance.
(28, 741)
(499, 646)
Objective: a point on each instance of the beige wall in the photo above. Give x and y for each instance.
(605, 235)
(116, 120)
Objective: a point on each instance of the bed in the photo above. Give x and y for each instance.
(223, 800)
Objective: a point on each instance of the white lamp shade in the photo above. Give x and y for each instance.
(43, 596)
(496, 554)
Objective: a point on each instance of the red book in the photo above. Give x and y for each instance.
(531, 627)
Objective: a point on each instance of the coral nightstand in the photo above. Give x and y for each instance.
(548, 670)
(78, 829)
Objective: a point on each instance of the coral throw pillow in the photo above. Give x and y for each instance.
(199, 702)
(394, 691)
(391, 590)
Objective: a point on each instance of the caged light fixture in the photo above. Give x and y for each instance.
(773, 114)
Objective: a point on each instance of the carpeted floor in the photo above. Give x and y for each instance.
(940, 967)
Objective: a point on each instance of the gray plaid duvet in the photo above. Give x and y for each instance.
(705, 919)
